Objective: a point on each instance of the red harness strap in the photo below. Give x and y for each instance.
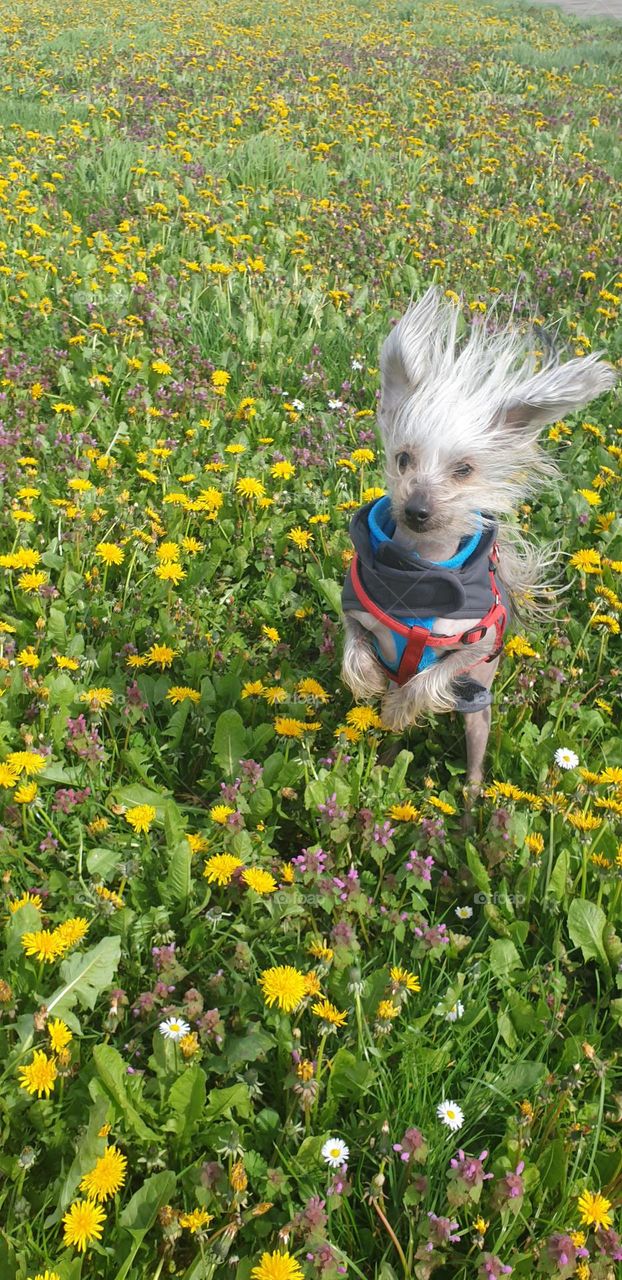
(418, 637)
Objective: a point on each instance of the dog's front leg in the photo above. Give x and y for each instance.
(359, 669)
(477, 730)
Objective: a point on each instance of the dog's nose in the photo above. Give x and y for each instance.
(417, 511)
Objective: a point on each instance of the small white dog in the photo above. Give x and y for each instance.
(438, 567)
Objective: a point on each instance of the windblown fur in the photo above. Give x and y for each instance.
(460, 420)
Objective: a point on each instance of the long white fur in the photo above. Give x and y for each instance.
(484, 398)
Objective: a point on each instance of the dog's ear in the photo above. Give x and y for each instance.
(404, 357)
(554, 392)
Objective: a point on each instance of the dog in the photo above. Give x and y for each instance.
(439, 567)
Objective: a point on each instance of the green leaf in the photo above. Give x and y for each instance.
(86, 976)
(222, 1101)
(586, 924)
(477, 869)
(186, 1101)
(330, 590)
(253, 1044)
(140, 1212)
(506, 1029)
(100, 861)
(229, 742)
(348, 1076)
(503, 957)
(112, 1072)
(175, 890)
(520, 1077)
(90, 1147)
(552, 1164)
(558, 882)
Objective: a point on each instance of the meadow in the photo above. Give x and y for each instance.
(265, 1009)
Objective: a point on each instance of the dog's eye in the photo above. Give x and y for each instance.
(403, 460)
(463, 470)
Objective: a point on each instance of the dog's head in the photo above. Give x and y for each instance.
(460, 420)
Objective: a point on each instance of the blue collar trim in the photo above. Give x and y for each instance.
(382, 527)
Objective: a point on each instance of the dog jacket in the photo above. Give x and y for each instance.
(407, 594)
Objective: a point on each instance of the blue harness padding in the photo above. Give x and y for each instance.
(381, 529)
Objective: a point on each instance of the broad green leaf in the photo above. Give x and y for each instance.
(348, 1076)
(175, 890)
(477, 869)
(100, 861)
(503, 957)
(85, 976)
(586, 924)
(112, 1072)
(520, 1077)
(558, 882)
(229, 742)
(222, 1101)
(89, 1148)
(186, 1101)
(254, 1043)
(331, 591)
(140, 1213)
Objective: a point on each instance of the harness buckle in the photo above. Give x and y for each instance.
(473, 634)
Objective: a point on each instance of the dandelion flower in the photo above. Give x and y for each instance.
(283, 985)
(221, 868)
(181, 693)
(39, 1075)
(170, 571)
(248, 487)
(83, 1224)
(221, 813)
(161, 655)
(405, 812)
(107, 1177)
(363, 718)
(27, 900)
(277, 1266)
(59, 1033)
(110, 553)
(98, 698)
(44, 944)
(335, 1152)
(565, 758)
(451, 1115)
(329, 1013)
(71, 931)
(259, 880)
(403, 978)
(28, 762)
(26, 793)
(198, 1220)
(594, 1210)
(8, 777)
(174, 1028)
(161, 366)
(309, 688)
(289, 727)
(301, 538)
(141, 818)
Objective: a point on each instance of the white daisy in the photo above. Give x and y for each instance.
(450, 1114)
(335, 1152)
(335, 404)
(357, 364)
(298, 405)
(565, 758)
(455, 1012)
(464, 913)
(174, 1029)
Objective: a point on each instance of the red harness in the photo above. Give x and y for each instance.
(419, 637)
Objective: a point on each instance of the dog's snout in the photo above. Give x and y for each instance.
(417, 510)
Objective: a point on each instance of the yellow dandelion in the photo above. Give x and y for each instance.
(328, 1012)
(312, 689)
(198, 1220)
(271, 633)
(181, 693)
(44, 944)
(277, 1266)
(59, 1033)
(39, 1075)
(594, 1210)
(161, 655)
(259, 880)
(248, 487)
(26, 900)
(108, 1176)
(535, 843)
(405, 812)
(518, 647)
(283, 470)
(8, 776)
(221, 813)
(83, 1224)
(363, 718)
(66, 664)
(321, 952)
(253, 689)
(301, 538)
(162, 367)
(28, 762)
(98, 698)
(170, 571)
(26, 793)
(403, 978)
(221, 868)
(141, 818)
(288, 727)
(387, 1010)
(32, 581)
(28, 658)
(110, 553)
(441, 805)
(283, 985)
(71, 931)
(587, 561)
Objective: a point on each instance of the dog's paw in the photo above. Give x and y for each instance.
(392, 712)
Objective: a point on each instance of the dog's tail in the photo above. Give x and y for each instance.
(531, 575)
